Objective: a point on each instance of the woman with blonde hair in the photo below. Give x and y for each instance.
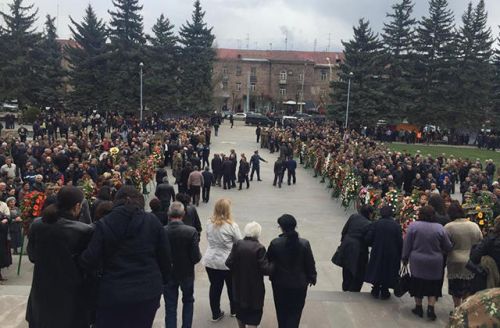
(222, 233)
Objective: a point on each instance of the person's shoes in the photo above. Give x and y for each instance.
(219, 318)
(418, 311)
(430, 313)
(279, 186)
(239, 188)
(274, 184)
(251, 179)
(225, 188)
(385, 295)
(233, 315)
(248, 187)
(259, 180)
(375, 292)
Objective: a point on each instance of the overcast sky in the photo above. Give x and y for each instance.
(257, 23)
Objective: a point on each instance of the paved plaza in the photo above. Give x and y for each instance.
(320, 220)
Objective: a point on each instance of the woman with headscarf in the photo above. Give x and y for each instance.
(58, 291)
(294, 270)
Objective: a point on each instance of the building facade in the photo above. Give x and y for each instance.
(260, 80)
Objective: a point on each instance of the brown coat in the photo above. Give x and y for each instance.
(248, 265)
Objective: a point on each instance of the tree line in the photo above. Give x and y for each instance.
(427, 71)
(104, 61)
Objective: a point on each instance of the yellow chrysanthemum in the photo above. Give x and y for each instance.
(480, 215)
(478, 208)
(481, 223)
(114, 150)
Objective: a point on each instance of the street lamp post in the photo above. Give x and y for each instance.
(351, 74)
(141, 65)
(302, 89)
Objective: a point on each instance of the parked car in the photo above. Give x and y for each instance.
(258, 119)
(226, 113)
(239, 116)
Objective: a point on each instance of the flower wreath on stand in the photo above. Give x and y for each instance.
(392, 199)
(370, 196)
(338, 181)
(31, 208)
(350, 190)
(409, 210)
(479, 209)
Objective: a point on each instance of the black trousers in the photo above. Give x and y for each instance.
(255, 170)
(217, 279)
(289, 304)
(205, 193)
(291, 177)
(226, 180)
(258, 138)
(278, 178)
(244, 179)
(350, 282)
(195, 194)
(134, 315)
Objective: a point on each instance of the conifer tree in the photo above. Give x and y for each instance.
(363, 57)
(50, 71)
(436, 57)
(127, 52)
(161, 92)
(474, 71)
(197, 57)
(17, 74)
(88, 63)
(399, 39)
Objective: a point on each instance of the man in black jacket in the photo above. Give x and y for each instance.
(208, 179)
(165, 193)
(217, 169)
(278, 172)
(227, 171)
(184, 242)
(255, 163)
(291, 167)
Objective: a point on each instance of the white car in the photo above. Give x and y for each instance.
(240, 116)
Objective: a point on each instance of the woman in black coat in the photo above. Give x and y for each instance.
(131, 249)
(58, 291)
(5, 257)
(294, 269)
(354, 250)
(248, 265)
(385, 238)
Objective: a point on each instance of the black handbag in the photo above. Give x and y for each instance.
(403, 284)
(337, 257)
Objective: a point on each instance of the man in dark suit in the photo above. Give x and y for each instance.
(227, 171)
(165, 193)
(184, 242)
(278, 172)
(208, 179)
(291, 167)
(217, 169)
(255, 163)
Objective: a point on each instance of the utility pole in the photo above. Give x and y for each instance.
(302, 92)
(249, 92)
(141, 65)
(248, 41)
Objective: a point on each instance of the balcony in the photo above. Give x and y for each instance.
(282, 81)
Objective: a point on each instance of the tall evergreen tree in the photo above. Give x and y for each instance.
(88, 61)
(495, 103)
(436, 54)
(474, 71)
(197, 57)
(127, 47)
(17, 77)
(49, 67)
(363, 57)
(399, 39)
(162, 55)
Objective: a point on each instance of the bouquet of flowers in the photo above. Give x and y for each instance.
(392, 199)
(31, 208)
(479, 209)
(89, 190)
(338, 181)
(350, 189)
(370, 196)
(409, 211)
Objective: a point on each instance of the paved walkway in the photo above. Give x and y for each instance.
(320, 219)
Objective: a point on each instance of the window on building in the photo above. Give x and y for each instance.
(282, 91)
(252, 87)
(224, 85)
(283, 75)
(238, 70)
(238, 86)
(301, 77)
(324, 75)
(224, 70)
(253, 71)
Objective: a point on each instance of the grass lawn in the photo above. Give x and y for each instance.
(458, 152)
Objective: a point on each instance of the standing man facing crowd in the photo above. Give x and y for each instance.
(255, 164)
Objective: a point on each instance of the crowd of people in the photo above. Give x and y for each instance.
(114, 260)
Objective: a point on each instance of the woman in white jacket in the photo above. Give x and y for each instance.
(222, 232)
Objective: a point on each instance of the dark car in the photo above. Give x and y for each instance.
(258, 119)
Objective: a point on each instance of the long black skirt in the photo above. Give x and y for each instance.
(248, 316)
(421, 288)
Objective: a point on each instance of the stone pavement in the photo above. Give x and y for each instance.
(320, 219)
